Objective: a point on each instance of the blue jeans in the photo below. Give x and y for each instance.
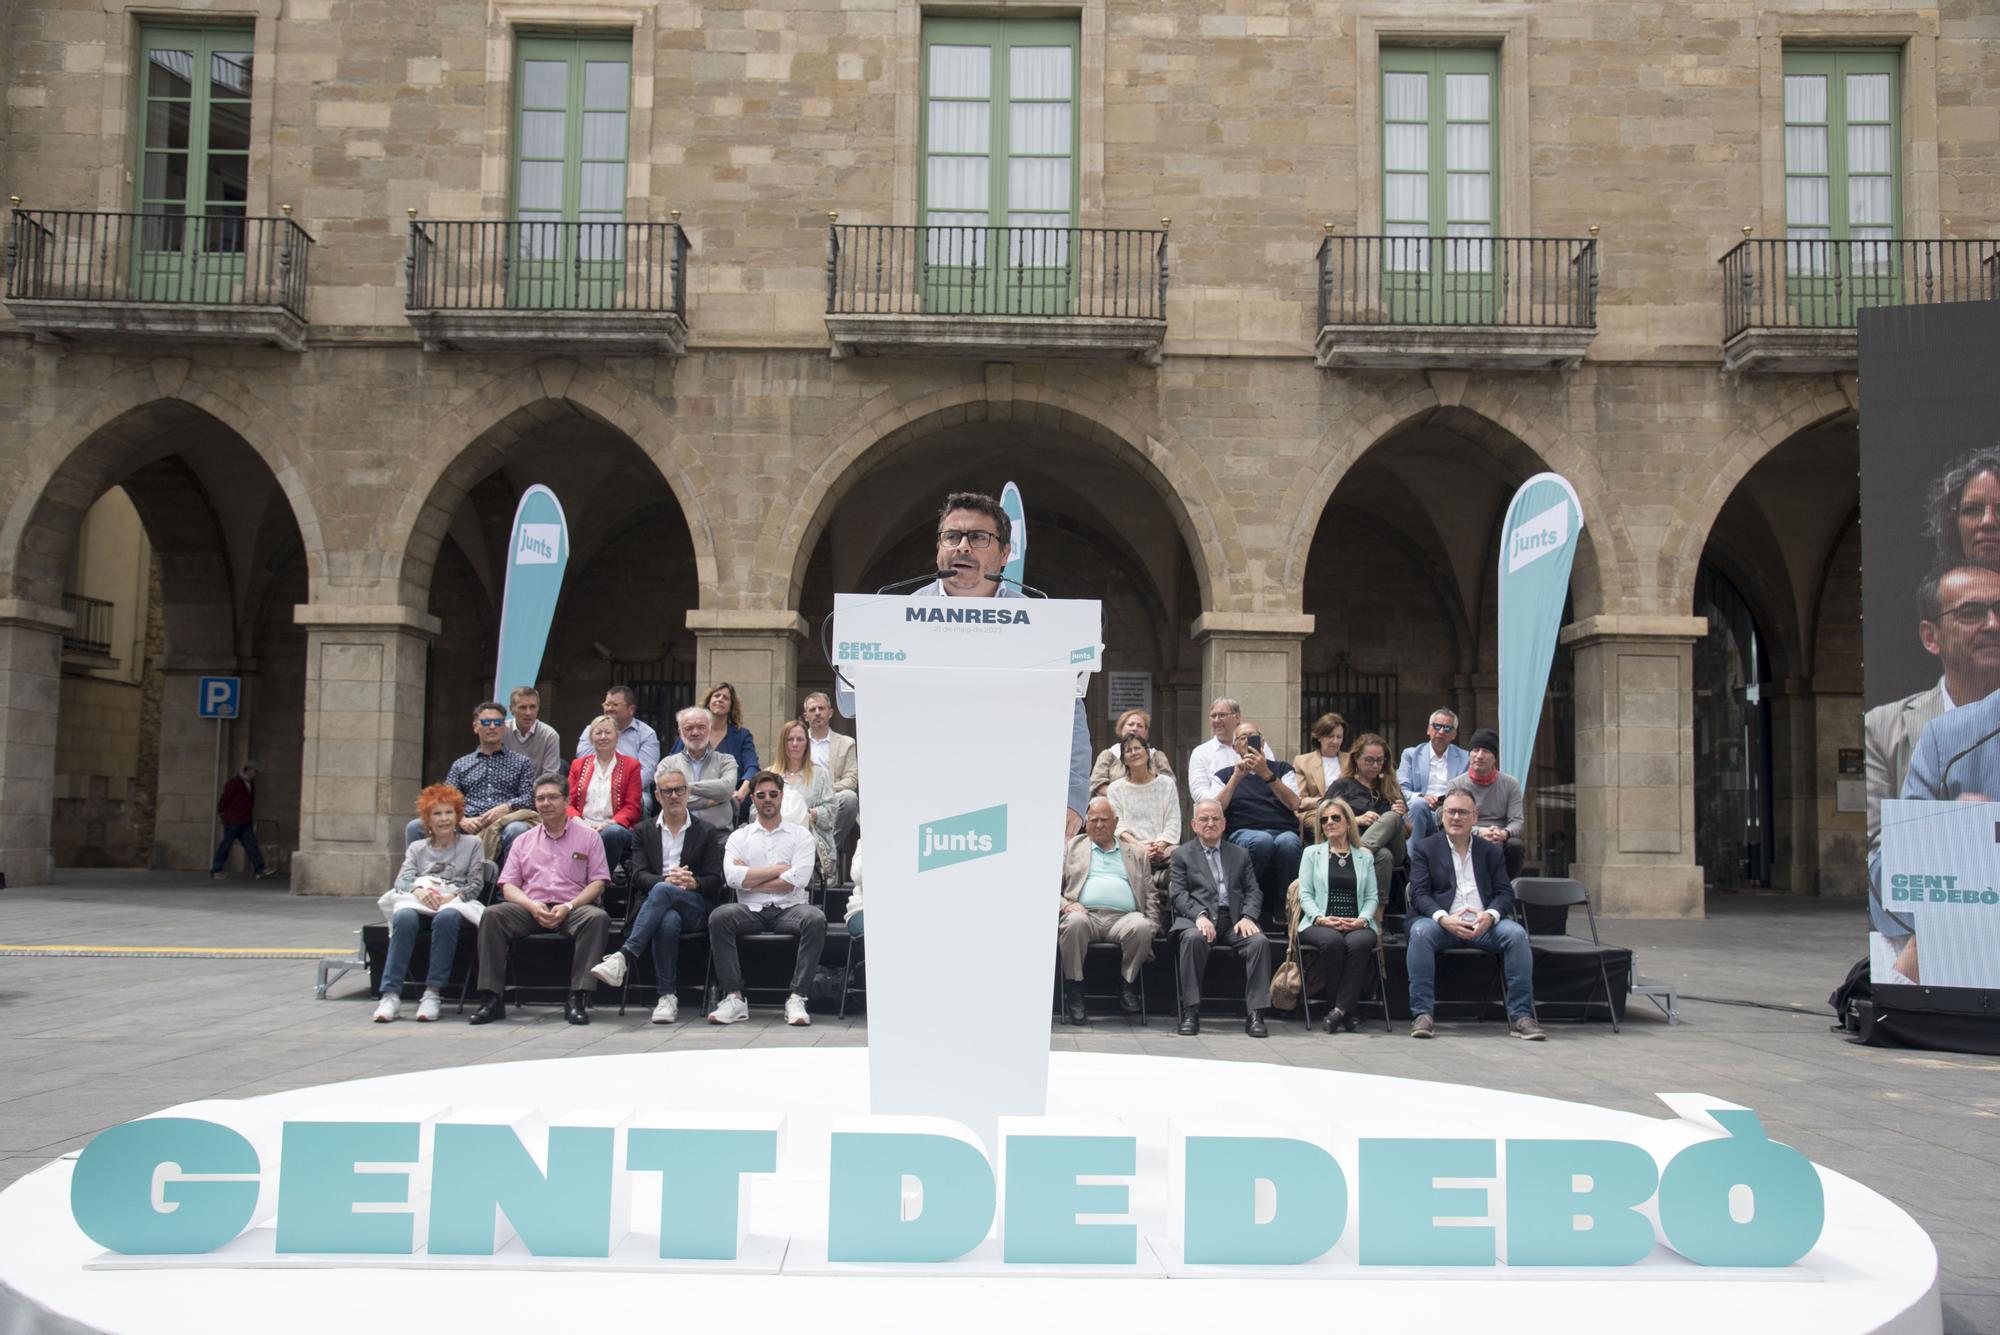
(1506, 938)
(1423, 821)
(403, 941)
(617, 845)
(667, 912)
(245, 835)
(1274, 858)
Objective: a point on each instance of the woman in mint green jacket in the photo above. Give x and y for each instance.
(1337, 898)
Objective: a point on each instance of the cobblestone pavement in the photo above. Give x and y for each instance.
(90, 1042)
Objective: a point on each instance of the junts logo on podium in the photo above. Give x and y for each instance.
(955, 839)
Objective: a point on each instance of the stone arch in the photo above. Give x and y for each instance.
(473, 437)
(892, 421)
(1495, 418)
(72, 461)
(1799, 408)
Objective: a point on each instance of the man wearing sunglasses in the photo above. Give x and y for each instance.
(974, 546)
(499, 787)
(1427, 770)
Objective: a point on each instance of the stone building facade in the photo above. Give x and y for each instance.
(1264, 498)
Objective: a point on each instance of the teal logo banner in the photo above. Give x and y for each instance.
(1017, 519)
(536, 558)
(1544, 523)
(956, 839)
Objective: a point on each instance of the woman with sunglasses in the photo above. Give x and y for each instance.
(1381, 814)
(1337, 911)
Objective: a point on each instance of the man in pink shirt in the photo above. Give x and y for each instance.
(551, 882)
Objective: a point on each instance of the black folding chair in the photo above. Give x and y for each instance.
(1560, 892)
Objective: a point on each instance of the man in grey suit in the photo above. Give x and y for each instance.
(1216, 901)
(1961, 628)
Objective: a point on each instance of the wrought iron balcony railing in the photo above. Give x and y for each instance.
(1818, 286)
(90, 627)
(1497, 282)
(158, 259)
(627, 267)
(1049, 273)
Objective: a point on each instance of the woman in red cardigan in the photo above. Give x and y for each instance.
(604, 791)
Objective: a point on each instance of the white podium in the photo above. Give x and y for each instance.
(963, 711)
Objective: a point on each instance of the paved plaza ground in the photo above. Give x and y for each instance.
(93, 1040)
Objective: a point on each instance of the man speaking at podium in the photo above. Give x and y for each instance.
(974, 545)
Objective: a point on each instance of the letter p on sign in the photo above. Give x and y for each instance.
(218, 696)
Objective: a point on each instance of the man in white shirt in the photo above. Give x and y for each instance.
(768, 863)
(1427, 769)
(835, 753)
(710, 774)
(528, 736)
(1460, 896)
(1217, 752)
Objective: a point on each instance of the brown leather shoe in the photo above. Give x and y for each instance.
(1525, 1027)
(1421, 1027)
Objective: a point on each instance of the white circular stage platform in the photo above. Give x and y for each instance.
(1873, 1269)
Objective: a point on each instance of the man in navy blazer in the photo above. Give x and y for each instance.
(677, 878)
(1460, 896)
(1216, 902)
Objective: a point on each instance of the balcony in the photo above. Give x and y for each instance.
(209, 278)
(87, 642)
(996, 293)
(1485, 303)
(1789, 305)
(595, 288)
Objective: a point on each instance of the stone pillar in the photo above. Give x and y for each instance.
(1635, 848)
(757, 652)
(364, 744)
(1795, 784)
(1840, 855)
(30, 697)
(185, 802)
(1253, 657)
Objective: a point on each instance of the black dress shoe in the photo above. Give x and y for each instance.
(1335, 1021)
(489, 1010)
(577, 1009)
(1190, 1025)
(1074, 1009)
(1253, 1025)
(1128, 999)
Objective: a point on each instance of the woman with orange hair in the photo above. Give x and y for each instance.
(438, 873)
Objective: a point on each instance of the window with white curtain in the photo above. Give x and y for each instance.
(1841, 186)
(573, 108)
(999, 139)
(1440, 174)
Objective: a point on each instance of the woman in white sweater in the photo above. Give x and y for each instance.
(1148, 807)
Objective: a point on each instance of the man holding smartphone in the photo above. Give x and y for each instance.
(1260, 799)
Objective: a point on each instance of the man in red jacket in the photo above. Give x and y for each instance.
(238, 808)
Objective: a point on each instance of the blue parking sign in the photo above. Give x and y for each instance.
(218, 696)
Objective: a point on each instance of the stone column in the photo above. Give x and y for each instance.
(1253, 657)
(364, 743)
(757, 652)
(30, 696)
(1635, 848)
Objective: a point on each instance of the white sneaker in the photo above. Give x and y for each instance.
(388, 1008)
(610, 970)
(795, 1010)
(427, 1007)
(732, 1009)
(667, 1011)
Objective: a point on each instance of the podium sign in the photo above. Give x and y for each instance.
(963, 712)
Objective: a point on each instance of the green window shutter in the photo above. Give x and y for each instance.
(572, 118)
(1440, 153)
(999, 128)
(194, 132)
(1842, 155)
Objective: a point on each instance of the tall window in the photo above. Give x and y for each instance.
(572, 122)
(194, 157)
(1439, 156)
(1840, 160)
(999, 151)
